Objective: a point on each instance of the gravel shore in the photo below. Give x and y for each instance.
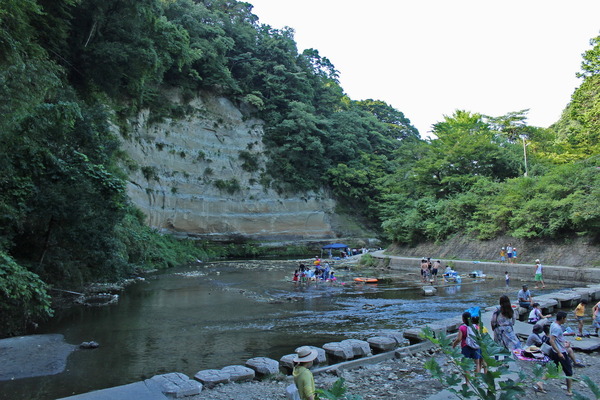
(404, 378)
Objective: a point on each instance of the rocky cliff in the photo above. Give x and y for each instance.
(202, 176)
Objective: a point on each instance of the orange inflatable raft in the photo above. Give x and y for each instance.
(366, 280)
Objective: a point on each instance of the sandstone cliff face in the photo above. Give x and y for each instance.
(200, 177)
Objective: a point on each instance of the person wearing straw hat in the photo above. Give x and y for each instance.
(303, 377)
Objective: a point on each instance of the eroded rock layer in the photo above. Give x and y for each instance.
(201, 176)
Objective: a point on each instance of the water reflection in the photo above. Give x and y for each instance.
(221, 314)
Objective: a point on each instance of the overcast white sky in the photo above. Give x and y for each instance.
(428, 58)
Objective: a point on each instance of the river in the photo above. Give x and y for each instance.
(216, 314)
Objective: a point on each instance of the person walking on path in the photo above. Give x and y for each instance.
(538, 274)
(509, 253)
(468, 347)
(502, 255)
(525, 299)
(559, 352)
(303, 377)
(503, 322)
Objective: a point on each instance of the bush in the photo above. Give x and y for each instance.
(23, 297)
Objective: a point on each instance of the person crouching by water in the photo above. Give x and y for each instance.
(303, 377)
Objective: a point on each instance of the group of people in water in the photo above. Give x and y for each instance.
(429, 269)
(305, 274)
(546, 337)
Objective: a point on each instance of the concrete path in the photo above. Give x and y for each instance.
(159, 387)
(140, 390)
(552, 273)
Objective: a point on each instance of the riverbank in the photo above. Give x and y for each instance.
(217, 283)
(391, 379)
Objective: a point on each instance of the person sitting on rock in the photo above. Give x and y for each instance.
(536, 314)
(525, 298)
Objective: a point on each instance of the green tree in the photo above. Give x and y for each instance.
(23, 297)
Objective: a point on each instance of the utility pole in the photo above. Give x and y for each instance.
(524, 153)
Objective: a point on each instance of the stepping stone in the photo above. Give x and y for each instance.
(263, 366)
(413, 335)
(286, 363)
(321, 355)
(360, 348)
(239, 373)
(339, 351)
(429, 290)
(451, 324)
(547, 303)
(382, 344)
(585, 344)
(566, 299)
(212, 377)
(595, 292)
(177, 385)
(585, 293)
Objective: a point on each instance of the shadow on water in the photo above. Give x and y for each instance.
(217, 314)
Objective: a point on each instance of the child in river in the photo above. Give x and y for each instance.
(596, 317)
(579, 314)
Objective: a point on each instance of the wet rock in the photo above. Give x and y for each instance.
(89, 345)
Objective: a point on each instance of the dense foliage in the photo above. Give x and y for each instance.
(71, 69)
(472, 180)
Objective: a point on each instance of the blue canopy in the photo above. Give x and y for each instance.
(335, 246)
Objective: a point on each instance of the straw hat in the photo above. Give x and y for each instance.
(305, 354)
(532, 349)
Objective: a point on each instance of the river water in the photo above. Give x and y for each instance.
(216, 314)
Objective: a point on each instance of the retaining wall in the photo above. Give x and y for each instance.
(525, 272)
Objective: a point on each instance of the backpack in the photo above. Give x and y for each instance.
(494, 321)
(470, 339)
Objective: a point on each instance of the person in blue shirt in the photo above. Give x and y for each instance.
(525, 299)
